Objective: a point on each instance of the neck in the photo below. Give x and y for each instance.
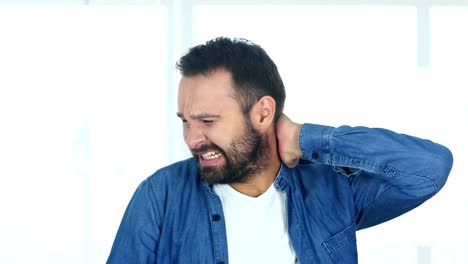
(260, 182)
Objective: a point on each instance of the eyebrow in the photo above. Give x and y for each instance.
(199, 116)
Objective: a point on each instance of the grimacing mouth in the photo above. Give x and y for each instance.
(211, 155)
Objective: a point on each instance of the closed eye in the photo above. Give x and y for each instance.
(182, 117)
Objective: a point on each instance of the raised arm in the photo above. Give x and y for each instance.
(389, 173)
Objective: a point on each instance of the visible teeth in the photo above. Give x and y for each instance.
(211, 155)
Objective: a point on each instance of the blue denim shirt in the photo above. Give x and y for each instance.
(350, 178)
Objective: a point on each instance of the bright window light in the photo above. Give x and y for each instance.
(82, 103)
(334, 52)
(449, 37)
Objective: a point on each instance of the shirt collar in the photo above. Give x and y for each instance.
(282, 180)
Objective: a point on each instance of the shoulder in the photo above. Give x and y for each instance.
(175, 174)
(176, 187)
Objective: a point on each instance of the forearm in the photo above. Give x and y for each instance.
(378, 151)
(389, 173)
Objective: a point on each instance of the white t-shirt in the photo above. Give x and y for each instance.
(256, 227)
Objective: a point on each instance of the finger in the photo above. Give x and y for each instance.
(292, 163)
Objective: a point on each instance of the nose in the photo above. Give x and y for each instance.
(194, 138)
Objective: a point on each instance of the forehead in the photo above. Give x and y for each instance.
(209, 93)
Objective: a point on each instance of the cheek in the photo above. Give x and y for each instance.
(221, 137)
(186, 133)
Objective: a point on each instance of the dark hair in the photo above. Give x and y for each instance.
(253, 72)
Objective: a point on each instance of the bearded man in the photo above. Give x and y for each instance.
(261, 188)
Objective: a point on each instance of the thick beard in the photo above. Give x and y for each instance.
(245, 156)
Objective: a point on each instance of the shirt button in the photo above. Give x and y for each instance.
(315, 155)
(216, 218)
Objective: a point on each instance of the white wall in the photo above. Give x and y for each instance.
(87, 107)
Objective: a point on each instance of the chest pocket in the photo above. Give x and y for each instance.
(341, 247)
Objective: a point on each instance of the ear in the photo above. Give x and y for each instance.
(263, 113)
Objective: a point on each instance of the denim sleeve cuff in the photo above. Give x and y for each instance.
(314, 141)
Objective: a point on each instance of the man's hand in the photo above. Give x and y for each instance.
(287, 133)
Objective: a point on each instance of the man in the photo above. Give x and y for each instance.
(261, 188)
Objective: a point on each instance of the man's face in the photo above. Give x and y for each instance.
(225, 144)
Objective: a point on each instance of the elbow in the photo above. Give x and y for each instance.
(442, 165)
(430, 173)
(446, 166)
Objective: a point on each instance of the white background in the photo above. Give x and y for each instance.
(88, 92)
